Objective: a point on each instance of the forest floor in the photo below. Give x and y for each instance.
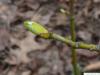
(22, 53)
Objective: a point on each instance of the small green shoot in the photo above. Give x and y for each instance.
(36, 29)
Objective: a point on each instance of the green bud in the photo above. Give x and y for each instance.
(36, 28)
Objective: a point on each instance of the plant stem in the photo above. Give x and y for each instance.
(73, 38)
(71, 43)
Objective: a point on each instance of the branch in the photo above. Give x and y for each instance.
(78, 45)
(76, 69)
(34, 30)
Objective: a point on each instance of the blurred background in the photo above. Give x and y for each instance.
(23, 53)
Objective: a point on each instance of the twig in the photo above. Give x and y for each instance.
(78, 45)
(76, 69)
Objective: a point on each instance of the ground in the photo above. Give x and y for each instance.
(22, 53)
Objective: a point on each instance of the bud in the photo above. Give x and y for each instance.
(36, 29)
